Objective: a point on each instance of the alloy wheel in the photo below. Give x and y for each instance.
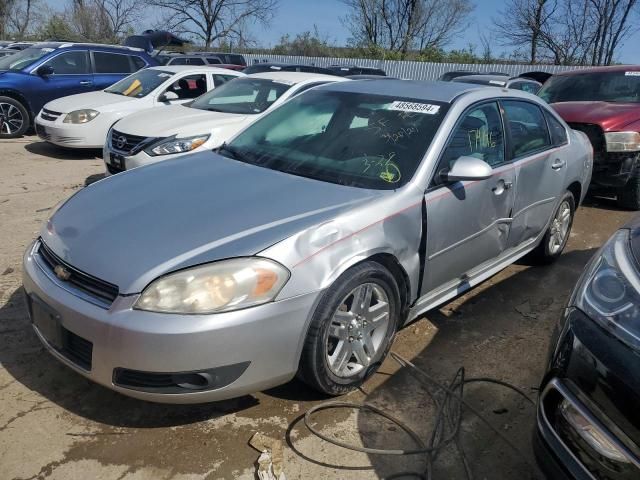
(11, 120)
(560, 228)
(358, 329)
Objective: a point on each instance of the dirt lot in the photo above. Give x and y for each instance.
(56, 424)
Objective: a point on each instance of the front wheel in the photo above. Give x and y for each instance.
(14, 118)
(557, 235)
(351, 330)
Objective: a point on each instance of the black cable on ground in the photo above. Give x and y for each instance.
(449, 402)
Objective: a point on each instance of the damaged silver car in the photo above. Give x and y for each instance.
(306, 242)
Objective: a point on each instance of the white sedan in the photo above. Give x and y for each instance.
(206, 123)
(83, 120)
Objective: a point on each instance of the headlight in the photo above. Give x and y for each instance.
(177, 145)
(81, 116)
(217, 287)
(609, 292)
(622, 141)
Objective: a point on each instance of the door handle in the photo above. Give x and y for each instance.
(558, 164)
(501, 187)
(86, 83)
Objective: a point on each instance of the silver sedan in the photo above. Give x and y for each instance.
(306, 242)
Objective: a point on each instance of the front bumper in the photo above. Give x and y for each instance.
(138, 159)
(262, 344)
(597, 375)
(88, 135)
(613, 170)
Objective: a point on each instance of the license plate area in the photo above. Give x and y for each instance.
(47, 321)
(116, 160)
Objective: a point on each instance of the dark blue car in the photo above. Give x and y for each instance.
(46, 71)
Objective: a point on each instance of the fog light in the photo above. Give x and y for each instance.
(591, 434)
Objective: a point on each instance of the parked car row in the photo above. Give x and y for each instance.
(304, 218)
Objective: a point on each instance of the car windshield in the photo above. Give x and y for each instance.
(620, 86)
(141, 83)
(243, 95)
(360, 140)
(23, 59)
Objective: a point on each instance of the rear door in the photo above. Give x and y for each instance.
(71, 75)
(468, 222)
(540, 167)
(110, 67)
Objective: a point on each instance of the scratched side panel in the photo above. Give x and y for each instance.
(320, 254)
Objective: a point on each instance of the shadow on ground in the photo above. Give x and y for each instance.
(52, 151)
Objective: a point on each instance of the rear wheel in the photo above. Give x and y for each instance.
(14, 118)
(557, 235)
(351, 330)
(629, 195)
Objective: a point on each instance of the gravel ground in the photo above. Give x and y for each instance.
(55, 424)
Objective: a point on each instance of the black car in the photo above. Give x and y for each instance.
(345, 71)
(285, 67)
(588, 417)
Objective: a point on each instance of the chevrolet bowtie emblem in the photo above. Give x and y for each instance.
(61, 272)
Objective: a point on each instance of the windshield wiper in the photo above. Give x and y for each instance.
(233, 151)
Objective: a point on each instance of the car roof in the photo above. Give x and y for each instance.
(56, 45)
(194, 68)
(615, 68)
(418, 89)
(295, 77)
(483, 78)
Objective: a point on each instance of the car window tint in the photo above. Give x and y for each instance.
(191, 86)
(558, 132)
(528, 87)
(308, 86)
(138, 62)
(221, 79)
(177, 61)
(478, 134)
(111, 62)
(195, 61)
(213, 60)
(70, 63)
(527, 127)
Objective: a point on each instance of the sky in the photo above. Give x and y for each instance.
(297, 16)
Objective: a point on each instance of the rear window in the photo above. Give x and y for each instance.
(243, 95)
(111, 63)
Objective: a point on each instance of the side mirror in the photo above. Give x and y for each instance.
(168, 96)
(468, 168)
(44, 70)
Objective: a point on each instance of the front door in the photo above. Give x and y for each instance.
(468, 222)
(71, 75)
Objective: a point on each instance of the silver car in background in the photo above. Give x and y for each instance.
(306, 242)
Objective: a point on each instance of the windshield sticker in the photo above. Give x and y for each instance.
(415, 107)
(283, 82)
(165, 75)
(632, 74)
(497, 82)
(47, 50)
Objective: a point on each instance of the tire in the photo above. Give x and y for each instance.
(545, 253)
(323, 364)
(14, 118)
(629, 195)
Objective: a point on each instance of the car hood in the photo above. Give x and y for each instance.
(135, 226)
(176, 120)
(610, 116)
(93, 100)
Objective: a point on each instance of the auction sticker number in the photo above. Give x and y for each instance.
(415, 107)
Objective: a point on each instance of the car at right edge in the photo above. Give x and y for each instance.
(604, 103)
(588, 421)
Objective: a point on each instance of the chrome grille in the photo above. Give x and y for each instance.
(103, 291)
(50, 115)
(124, 142)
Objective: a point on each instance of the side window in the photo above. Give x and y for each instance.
(214, 61)
(111, 62)
(558, 132)
(195, 61)
(478, 134)
(528, 87)
(527, 126)
(191, 86)
(221, 79)
(138, 63)
(70, 63)
(177, 61)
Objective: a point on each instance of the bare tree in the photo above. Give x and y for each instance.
(401, 25)
(215, 20)
(613, 25)
(5, 9)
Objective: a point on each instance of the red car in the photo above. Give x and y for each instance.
(604, 103)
